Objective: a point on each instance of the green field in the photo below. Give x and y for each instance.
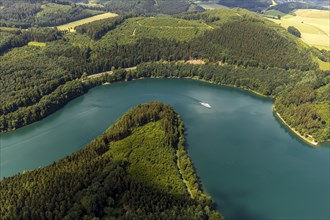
(167, 28)
(314, 26)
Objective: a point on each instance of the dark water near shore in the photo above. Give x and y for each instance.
(251, 165)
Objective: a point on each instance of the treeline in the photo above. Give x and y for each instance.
(95, 30)
(274, 82)
(24, 14)
(258, 57)
(147, 6)
(289, 7)
(294, 31)
(252, 43)
(305, 106)
(19, 12)
(36, 73)
(208, 18)
(34, 106)
(247, 42)
(18, 38)
(57, 15)
(46, 105)
(323, 54)
(90, 184)
(253, 5)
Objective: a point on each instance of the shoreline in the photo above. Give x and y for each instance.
(292, 129)
(98, 75)
(233, 86)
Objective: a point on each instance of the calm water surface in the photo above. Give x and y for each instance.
(251, 165)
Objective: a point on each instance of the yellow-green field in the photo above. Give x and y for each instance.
(323, 65)
(314, 26)
(70, 26)
(8, 29)
(37, 44)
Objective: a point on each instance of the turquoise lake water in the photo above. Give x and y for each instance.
(249, 163)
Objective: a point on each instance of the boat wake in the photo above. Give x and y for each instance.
(207, 105)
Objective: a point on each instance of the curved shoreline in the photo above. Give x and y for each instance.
(310, 140)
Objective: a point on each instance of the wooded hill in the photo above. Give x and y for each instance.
(37, 81)
(30, 13)
(137, 169)
(26, 13)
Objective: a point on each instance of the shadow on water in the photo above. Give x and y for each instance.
(238, 211)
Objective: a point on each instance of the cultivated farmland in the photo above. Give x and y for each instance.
(314, 26)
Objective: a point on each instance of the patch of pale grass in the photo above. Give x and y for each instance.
(316, 39)
(37, 44)
(70, 26)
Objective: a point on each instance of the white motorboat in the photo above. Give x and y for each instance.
(207, 105)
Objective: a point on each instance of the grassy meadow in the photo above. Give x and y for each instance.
(314, 26)
(151, 27)
(70, 26)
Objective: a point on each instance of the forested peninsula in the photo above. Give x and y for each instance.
(137, 169)
(237, 47)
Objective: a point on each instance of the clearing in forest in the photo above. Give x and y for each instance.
(70, 26)
(155, 27)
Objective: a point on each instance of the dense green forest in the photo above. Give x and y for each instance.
(95, 30)
(239, 47)
(25, 13)
(150, 6)
(137, 169)
(29, 13)
(12, 38)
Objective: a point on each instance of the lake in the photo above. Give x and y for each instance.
(249, 163)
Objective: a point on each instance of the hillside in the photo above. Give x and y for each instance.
(149, 6)
(27, 13)
(38, 79)
(289, 7)
(313, 25)
(24, 13)
(253, 5)
(113, 177)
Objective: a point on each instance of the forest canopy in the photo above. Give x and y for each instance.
(239, 47)
(102, 181)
